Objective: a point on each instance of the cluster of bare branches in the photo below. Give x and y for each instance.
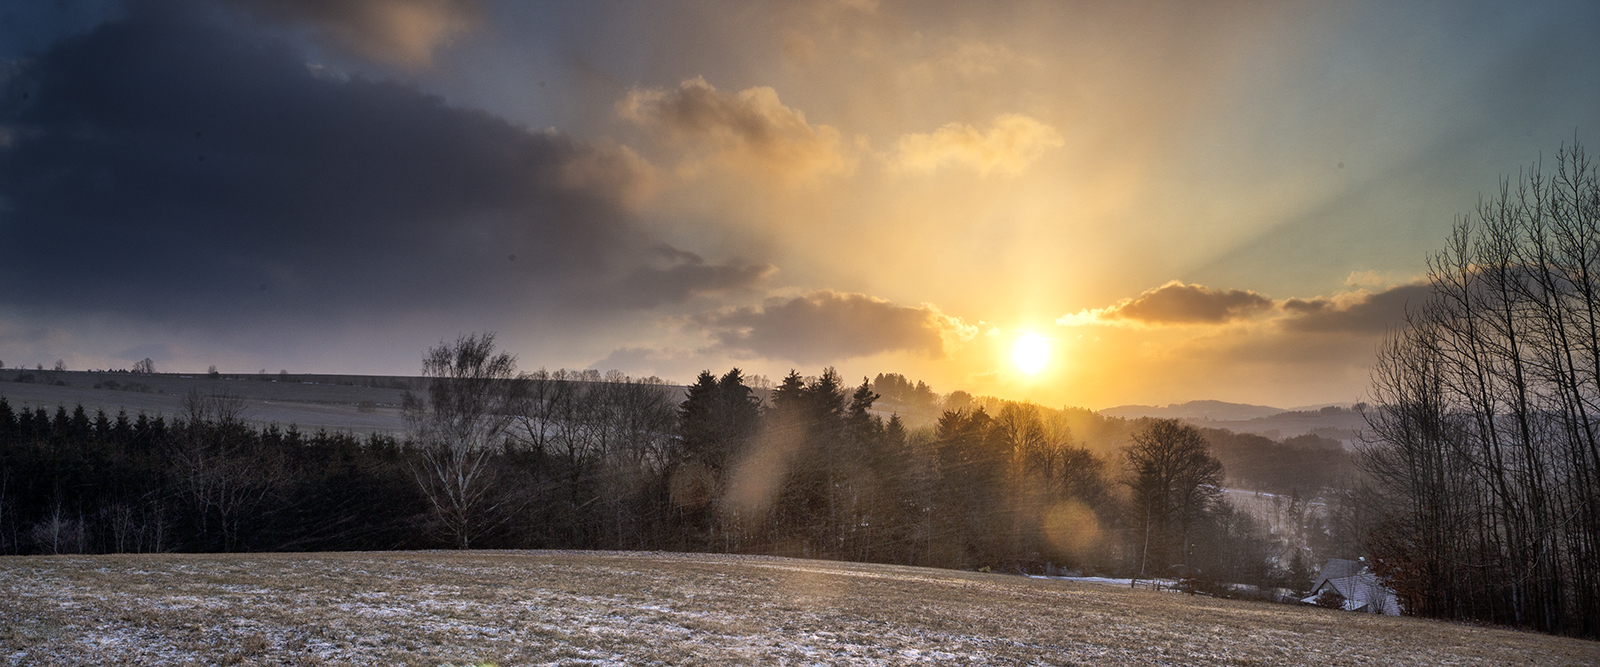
(606, 431)
(1175, 482)
(459, 428)
(1487, 456)
(216, 467)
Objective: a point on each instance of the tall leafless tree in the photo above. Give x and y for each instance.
(220, 469)
(473, 392)
(1486, 455)
(1174, 479)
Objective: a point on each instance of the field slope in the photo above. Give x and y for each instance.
(540, 607)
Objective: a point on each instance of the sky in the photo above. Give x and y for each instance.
(1176, 200)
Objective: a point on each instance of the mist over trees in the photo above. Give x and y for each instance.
(1300, 465)
(1486, 461)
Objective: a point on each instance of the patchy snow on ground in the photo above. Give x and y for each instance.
(610, 608)
(1162, 585)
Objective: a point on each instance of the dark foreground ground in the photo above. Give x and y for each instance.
(581, 608)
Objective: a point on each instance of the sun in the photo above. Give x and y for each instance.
(1031, 353)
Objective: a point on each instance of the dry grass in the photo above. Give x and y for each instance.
(576, 608)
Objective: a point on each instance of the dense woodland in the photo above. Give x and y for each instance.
(501, 459)
(1486, 466)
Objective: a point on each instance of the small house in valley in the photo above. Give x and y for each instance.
(1354, 582)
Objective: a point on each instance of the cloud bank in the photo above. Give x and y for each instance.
(1357, 312)
(827, 326)
(752, 130)
(1177, 303)
(174, 166)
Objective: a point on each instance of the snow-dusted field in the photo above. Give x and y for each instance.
(582, 608)
(310, 402)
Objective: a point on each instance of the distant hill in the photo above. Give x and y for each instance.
(1195, 410)
(353, 403)
(1335, 421)
(1313, 408)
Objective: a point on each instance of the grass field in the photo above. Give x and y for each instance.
(583, 608)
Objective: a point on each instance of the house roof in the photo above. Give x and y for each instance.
(1362, 591)
(1336, 568)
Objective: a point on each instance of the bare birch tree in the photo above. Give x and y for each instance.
(460, 427)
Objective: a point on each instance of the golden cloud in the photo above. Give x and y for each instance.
(1012, 143)
(750, 130)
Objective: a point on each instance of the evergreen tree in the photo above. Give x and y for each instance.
(716, 422)
(697, 421)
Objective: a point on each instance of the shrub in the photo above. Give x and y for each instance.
(1330, 598)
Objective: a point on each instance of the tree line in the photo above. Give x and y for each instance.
(1485, 464)
(496, 458)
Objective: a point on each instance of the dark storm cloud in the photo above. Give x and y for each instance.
(1372, 313)
(679, 274)
(1177, 303)
(827, 326)
(169, 164)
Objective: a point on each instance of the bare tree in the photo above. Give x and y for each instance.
(59, 533)
(1486, 456)
(219, 465)
(473, 393)
(8, 538)
(223, 408)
